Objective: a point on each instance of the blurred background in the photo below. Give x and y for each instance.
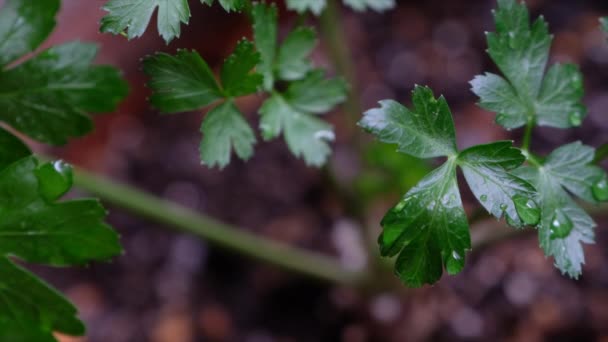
(175, 287)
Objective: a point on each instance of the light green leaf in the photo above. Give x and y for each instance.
(47, 97)
(564, 226)
(292, 61)
(237, 78)
(486, 169)
(315, 6)
(180, 83)
(265, 36)
(426, 131)
(376, 5)
(604, 24)
(224, 129)
(316, 94)
(24, 25)
(521, 51)
(572, 166)
(306, 136)
(133, 16)
(428, 229)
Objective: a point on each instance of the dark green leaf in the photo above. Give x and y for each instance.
(426, 131)
(486, 169)
(428, 229)
(292, 61)
(47, 97)
(30, 310)
(224, 129)
(237, 78)
(306, 136)
(24, 25)
(36, 229)
(265, 33)
(11, 149)
(180, 83)
(521, 51)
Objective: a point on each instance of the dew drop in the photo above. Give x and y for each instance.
(325, 135)
(561, 225)
(527, 209)
(503, 207)
(600, 190)
(456, 256)
(483, 198)
(576, 118)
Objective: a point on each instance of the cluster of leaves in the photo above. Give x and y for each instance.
(46, 97)
(428, 228)
(131, 17)
(297, 91)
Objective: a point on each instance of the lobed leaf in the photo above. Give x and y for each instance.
(426, 131)
(529, 93)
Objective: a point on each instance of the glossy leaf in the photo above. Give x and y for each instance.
(529, 92)
(425, 131)
(48, 96)
(486, 169)
(428, 229)
(24, 25)
(224, 129)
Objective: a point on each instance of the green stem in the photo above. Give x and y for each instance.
(525, 146)
(232, 238)
(601, 153)
(335, 41)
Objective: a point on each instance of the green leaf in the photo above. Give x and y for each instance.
(24, 25)
(376, 5)
(306, 136)
(521, 51)
(228, 5)
(604, 24)
(224, 129)
(292, 61)
(37, 229)
(30, 310)
(265, 36)
(133, 16)
(572, 166)
(486, 169)
(315, 6)
(47, 97)
(564, 225)
(180, 83)
(237, 78)
(316, 94)
(11, 149)
(426, 131)
(428, 229)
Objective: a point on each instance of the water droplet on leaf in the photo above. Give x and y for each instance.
(456, 256)
(600, 190)
(325, 135)
(483, 198)
(561, 225)
(576, 118)
(503, 207)
(527, 209)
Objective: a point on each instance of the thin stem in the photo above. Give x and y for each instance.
(525, 146)
(232, 238)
